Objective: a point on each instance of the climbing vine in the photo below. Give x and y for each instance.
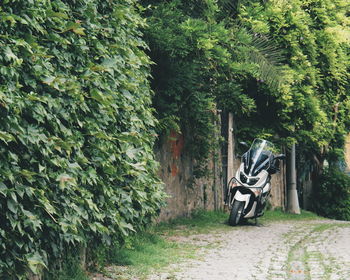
(76, 130)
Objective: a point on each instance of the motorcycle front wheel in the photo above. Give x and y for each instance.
(236, 213)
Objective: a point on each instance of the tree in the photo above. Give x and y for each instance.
(280, 66)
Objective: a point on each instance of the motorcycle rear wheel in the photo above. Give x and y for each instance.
(236, 213)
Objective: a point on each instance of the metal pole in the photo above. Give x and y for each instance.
(293, 202)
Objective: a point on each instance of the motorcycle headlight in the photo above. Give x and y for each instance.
(252, 181)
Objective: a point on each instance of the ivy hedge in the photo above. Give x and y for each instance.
(76, 129)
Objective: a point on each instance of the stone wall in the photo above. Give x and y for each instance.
(278, 197)
(186, 193)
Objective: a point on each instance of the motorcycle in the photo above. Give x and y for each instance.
(248, 191)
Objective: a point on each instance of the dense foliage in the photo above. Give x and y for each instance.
(76, 129)
(282, 67)
(313, 104)
(196, 69)
(332, 195)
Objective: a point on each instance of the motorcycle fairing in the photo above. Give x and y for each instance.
(251, 212)
(261, 178)
(242, 197)
(246, 195)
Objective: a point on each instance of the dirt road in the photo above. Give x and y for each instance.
(289, 250)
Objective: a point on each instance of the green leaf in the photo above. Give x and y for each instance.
(6, 137)
(64, 180)
(3, 189)
(127, 226)
(49, 80)
(51, 13)
(35, 262)
(12, 205)
(28, 174)
(9, 54)
(79, 31)
(32, 220)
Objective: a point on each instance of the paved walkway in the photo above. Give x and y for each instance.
(303, 250)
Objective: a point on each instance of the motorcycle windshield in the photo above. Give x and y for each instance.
(258, 157)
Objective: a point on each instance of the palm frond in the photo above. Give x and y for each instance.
(231, 6)
(265, 53)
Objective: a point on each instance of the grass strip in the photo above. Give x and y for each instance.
(279, 215)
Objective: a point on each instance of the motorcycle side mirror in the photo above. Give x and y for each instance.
(244, 144)
(280, 156)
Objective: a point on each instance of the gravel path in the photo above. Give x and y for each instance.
(304, 250)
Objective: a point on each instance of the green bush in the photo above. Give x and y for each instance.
(332, 195)
(76, 129)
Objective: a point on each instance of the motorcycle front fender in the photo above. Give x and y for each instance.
(242, 197)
